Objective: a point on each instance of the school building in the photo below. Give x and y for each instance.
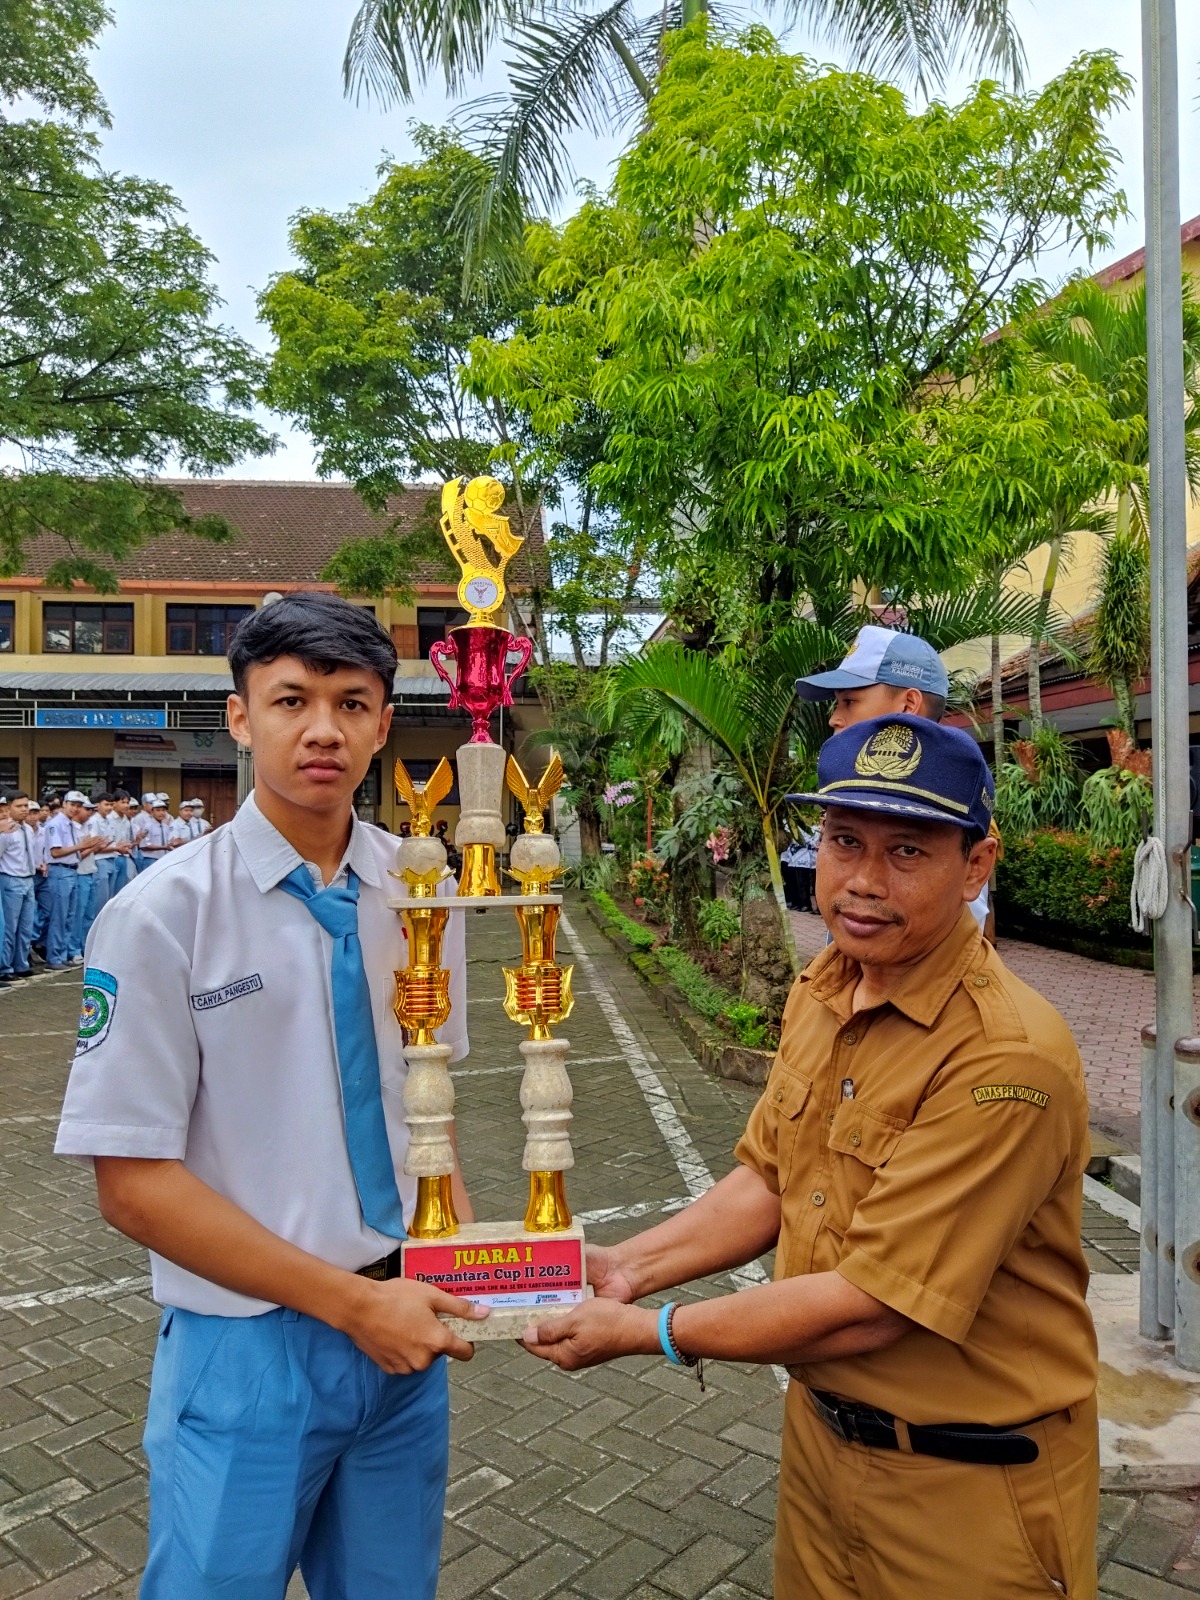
(129, 689)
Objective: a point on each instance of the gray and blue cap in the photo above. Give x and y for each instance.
(880, 655)
(906, 766)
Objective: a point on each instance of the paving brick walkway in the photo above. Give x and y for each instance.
(618, 1484)
(1106, 1007)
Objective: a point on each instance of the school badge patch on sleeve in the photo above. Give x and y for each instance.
(96, 1013)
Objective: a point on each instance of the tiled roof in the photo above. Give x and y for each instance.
(286, 533)
(1133, 263)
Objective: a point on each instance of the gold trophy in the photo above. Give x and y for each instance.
(483, 679)
(534, 1267)
(539, 993)
(422, 1005)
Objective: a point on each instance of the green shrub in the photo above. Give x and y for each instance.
(706, 997)
(640, 938)
(718, 923)
(591, 873)
(1061, 878)
(747, 1024)
(1113, 803)
(650, 885)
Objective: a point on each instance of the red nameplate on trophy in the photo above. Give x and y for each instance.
(510, 1272)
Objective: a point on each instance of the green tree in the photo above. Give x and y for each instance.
(775, 403)
(745, 708)
(573, 68)
(1119, 653)
(1102, 335)
(111, 364)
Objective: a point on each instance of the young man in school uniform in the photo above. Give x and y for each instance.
(65, 849)
(20, 858)
(200, 823)
(238, 1083)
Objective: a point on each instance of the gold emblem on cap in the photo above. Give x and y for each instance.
(891, 754)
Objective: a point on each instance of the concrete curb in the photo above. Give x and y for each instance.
(713, 1049)
(1149, 1407)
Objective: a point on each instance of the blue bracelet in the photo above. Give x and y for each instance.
(664, 1337)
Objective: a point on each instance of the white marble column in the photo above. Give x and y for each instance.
(428, 1111)
(546, 1102)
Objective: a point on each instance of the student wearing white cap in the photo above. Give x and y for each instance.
(200, 823)
(156, 830)
(183, 829)
(239, 1083)
(65, 849)
(87, 880)
(140, 821)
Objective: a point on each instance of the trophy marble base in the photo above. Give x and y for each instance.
(521, 1277)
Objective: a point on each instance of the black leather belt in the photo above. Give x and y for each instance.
(952, 1441)
(383, 1269)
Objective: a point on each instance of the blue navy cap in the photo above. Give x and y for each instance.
(906, 766)
(879, 655)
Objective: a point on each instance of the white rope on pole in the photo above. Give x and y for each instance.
(1148, 892)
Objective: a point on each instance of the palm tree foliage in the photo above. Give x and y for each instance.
(1102, 335)
(744, 707)
(572, 66)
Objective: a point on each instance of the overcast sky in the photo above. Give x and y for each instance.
(239, 108)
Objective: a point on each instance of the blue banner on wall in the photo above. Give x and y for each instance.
(85, 717)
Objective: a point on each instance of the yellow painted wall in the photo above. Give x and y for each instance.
(1075, 588)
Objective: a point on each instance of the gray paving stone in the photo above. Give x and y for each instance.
(694, 1571)
(623, 1483)
(616, 1575)
(547, 1573)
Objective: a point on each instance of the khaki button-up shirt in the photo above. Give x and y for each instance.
(931, 1150)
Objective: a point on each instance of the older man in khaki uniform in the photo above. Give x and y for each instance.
(916, 1159)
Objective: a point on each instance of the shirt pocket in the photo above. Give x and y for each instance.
(787, 1094)
(861, 1140)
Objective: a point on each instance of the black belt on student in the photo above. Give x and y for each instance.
(383, 1269)
(952, 1441)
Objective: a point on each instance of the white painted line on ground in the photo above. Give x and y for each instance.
(642, 1208)
(44, 1033)
(1115, 1204)
(519, 1066)
(693, 1168)
(74, 1291)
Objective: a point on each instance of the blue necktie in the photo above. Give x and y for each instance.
(358, 1056)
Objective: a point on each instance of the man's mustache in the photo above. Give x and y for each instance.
(869, 911)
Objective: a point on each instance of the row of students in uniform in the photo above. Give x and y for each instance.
(62, 861)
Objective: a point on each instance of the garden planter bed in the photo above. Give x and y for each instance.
(713, 1049)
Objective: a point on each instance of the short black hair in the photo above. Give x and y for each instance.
(121, 794)
(322, 630)
(18, 794)
(933, 706)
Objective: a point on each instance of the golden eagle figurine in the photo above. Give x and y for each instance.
(535, 797)
(423, 799)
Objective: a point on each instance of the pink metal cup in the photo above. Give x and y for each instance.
(483, 681)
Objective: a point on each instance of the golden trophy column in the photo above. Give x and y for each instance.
(422, 1006)
(539, 993)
